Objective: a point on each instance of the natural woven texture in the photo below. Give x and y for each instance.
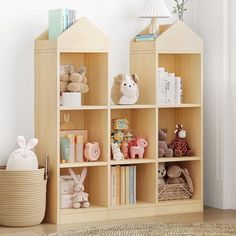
(164, 229)
(22, 197)
(173, 192)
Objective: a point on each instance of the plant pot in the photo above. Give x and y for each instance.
(70, 99)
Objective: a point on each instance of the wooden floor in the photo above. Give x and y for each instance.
(210, 215)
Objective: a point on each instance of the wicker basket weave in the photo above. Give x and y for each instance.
(173, 192)
(22, 197)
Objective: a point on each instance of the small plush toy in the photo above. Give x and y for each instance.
(179, 145)
(161, 173)
(118, 136)
(163, 149)
(125, 149)
(78, 82)
(80, 198)
(23, 158)
(116, 152)
(174, 173)
(125, 89)
(92, 151)
(139, 148)
(67, 70)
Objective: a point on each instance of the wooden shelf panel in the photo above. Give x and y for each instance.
(133, 161)
(139, 204)
(184, 105)
(178, 159)
(178, 202)
(83, 164)
(136, 106)
(62, 108)
(92, 208)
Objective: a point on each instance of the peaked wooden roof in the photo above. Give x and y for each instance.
(82, 36)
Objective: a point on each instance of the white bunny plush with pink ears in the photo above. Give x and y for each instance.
(80, 198)
(23, 158)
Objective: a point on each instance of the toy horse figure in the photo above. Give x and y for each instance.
(139, 149)
(179, 145)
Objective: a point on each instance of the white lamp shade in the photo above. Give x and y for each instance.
(155, 8)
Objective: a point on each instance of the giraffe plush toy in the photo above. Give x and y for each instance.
(179, 145)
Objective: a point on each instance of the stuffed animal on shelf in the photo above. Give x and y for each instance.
(174, 173)
(92, 151)
(179, 145)
(139, 148)
(116, 152)
(78, 82)
(66, 72)
(161, 173)
(163, 150)
(125, 90)
(23, 158)
(80, 198)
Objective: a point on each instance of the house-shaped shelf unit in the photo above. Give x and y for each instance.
(81, 44)
(179, 50)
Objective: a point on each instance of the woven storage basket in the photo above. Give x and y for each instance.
(173, 192)
(22, 197)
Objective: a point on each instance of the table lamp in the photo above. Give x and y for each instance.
(154, 9)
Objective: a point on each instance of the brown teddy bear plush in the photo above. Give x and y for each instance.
(125, 89)
(174, 173)
(78, 82)
(66, 72)
(163, 150)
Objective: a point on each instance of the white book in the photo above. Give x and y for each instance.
(167, 88)
(171, 91)
(161, 85)
(178, 90)
(113, 186)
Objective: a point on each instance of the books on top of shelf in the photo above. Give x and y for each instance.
(145, 37)
(59, 20)
(123, 185)
(170, 89)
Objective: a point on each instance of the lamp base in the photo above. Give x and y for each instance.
(154, 27)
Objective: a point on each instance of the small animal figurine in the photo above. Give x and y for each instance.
(23, 158)
(80, 198)
(174, 173)
(117, 154)
(179, 145)
(92, 151)
(163, 150)
(161, 173)
(139, 149)
(125, 89)
(125, 149)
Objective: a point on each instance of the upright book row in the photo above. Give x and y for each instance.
(123, 185)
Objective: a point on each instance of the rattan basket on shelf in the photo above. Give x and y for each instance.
(22, 197)
(173, 192)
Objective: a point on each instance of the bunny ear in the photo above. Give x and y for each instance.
(72, 173)
(32, 143)
(21, 141)
(83, 175)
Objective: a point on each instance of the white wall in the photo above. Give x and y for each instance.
(25, 21)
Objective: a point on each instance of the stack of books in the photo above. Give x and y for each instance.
(170, 88)
(123, 185)
(145, 37)
(59, 20)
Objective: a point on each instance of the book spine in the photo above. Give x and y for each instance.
(65, 149)
(172, 88)
(122, 185)
(127, 185)
(71, 137)
(79, 148)
(131, 185)
(161, 85)
(135, 185)
(117, 185)
(113, 186)
(167, 88)
(144, 39)
(178, 90)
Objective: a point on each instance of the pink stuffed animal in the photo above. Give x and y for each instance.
(139, 149)
(92, 151)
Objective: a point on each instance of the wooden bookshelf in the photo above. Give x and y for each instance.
(178, 49)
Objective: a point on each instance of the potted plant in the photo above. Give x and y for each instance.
(73, 86)
(180, 8)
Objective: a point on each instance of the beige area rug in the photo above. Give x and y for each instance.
(164, 229)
